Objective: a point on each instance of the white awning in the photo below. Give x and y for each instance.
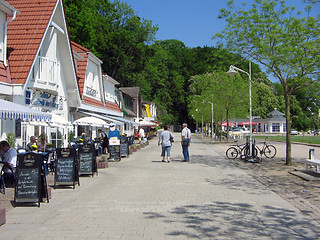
(10, 110)
(124, 120)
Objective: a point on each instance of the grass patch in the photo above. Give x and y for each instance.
(299, 138)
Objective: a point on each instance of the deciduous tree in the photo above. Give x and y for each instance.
(282, 39)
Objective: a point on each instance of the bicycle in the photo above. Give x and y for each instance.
(237, 149)
(268, 150)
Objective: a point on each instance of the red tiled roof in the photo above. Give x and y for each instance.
(97, 103)
(25, 34)
(4, 74)
(81, 74)
(78, 48)
(81, 65)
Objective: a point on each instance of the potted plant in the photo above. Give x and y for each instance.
(11, 139)
(102, 162)
(134, 148)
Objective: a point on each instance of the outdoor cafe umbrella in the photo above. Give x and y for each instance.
(247, 123)
(91, 121)
(146, 123)
(224, 124)
(58, 121)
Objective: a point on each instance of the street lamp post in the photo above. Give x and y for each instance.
(212, 126)
(232, 71)
(202, 126)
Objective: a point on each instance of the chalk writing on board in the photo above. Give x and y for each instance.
(27, 184)
(65, 170)
(85, 162)
(124, 149)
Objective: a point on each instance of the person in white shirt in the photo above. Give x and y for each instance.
(185, 141)
(10, 155)
(166, 139)
(142, 134)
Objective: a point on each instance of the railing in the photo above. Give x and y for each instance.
(47, 71)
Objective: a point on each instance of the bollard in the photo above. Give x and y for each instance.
(311, 154)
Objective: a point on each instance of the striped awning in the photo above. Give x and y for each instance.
(14, 111)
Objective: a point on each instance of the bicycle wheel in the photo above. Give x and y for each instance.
(247, 151)
(270, 151)
(232, 153)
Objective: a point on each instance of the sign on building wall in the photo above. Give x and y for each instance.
(44, 99)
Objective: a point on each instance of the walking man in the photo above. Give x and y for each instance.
(185, 141)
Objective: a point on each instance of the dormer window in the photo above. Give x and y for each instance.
(91, 85)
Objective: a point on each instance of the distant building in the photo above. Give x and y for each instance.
(274, 123)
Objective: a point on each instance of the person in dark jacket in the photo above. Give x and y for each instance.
(105, 141)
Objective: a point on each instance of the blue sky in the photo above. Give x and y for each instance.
(190, 21)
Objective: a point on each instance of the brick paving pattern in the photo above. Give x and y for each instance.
(144, 198)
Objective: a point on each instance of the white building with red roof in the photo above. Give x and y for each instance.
(46, 72)
(97, 91)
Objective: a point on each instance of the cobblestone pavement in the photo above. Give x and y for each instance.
(144, 198)
(274, 174)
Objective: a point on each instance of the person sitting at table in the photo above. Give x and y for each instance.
(42, 145)
(9, 157)
(82, 138)
(32, 145)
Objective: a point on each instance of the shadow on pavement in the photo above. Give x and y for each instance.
(236, 221)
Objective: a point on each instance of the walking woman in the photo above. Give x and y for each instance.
(165, 139)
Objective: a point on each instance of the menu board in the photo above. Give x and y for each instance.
(65, 167)
(115, 152)
(124, 149)
(86, 159)
(28, 181)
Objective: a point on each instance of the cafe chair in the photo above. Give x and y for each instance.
(2, 185)
(21, 150)
(7, 173)
(51, 162)
(47, 162)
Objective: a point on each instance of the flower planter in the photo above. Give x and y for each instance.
(102, 164)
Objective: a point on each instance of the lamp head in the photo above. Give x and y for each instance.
(231, 71)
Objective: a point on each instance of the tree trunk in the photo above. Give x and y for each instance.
(227, 116)
(288, 134)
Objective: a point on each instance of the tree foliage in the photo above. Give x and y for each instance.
(113, 32)
(282, 39)
(229, 96)
(125, 43)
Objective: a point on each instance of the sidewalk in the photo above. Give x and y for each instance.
(143, 198)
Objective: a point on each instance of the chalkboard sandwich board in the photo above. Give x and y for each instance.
(28, 178)
(115, 152)
(124, 146)
(65, 167)
(87, 159)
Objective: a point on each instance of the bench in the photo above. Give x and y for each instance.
(313, 162)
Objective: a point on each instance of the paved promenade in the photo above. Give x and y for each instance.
(144, 198)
